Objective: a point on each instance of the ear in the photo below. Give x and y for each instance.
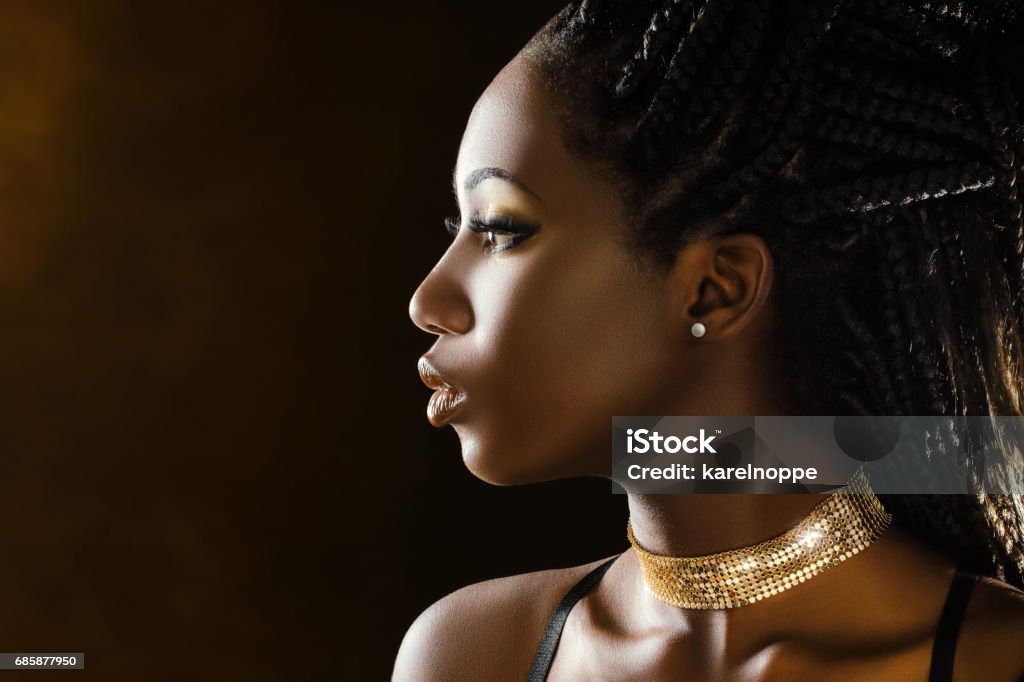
(722, 282)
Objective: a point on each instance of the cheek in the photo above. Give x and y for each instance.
(568, 340)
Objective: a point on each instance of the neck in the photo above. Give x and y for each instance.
(695, 525)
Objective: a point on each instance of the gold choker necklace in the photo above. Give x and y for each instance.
(841, 525)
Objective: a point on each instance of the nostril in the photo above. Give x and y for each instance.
(440, 306)
(422, 319)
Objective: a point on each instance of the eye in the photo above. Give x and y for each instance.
(497, 241)
(502, 233)
(451, 225)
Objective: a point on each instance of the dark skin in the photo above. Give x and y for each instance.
(555, 334)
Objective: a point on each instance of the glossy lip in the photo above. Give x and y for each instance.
(447, 399)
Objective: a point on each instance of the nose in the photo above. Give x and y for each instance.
(440, 305)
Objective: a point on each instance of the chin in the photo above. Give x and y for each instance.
(503, 466)
(496, 467)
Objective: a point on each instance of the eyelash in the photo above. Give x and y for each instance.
(519, 232)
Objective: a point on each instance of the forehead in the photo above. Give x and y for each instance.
(514, 127)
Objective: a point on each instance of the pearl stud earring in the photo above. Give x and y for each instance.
(698, 329)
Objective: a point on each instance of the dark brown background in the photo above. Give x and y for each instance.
(215, 458)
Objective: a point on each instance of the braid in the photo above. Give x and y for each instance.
(693, 49)
(841, 129)
(932, 364)
(783, 108)
(894, 278)
(779, 152)
(952, 250)
(898, 31)
(882, 45)
(867, 361)
(867, 194)
(587, 10)
(1002, 126)
(661, 30)
(889, 84)
(877, 146)
(723, 82)
(789, 69)
(893, 113)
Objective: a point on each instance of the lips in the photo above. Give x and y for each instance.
(447, 399)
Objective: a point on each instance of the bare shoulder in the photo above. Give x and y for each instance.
(991, 641)
(486, 631)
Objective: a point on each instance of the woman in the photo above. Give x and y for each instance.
(737, 208)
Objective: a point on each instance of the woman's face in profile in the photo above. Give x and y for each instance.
(545, 322)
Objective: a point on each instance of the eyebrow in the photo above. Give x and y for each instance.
(481, 174)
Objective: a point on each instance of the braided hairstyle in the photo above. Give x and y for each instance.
(877, 147)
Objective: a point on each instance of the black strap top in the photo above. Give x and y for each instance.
(943, 648)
